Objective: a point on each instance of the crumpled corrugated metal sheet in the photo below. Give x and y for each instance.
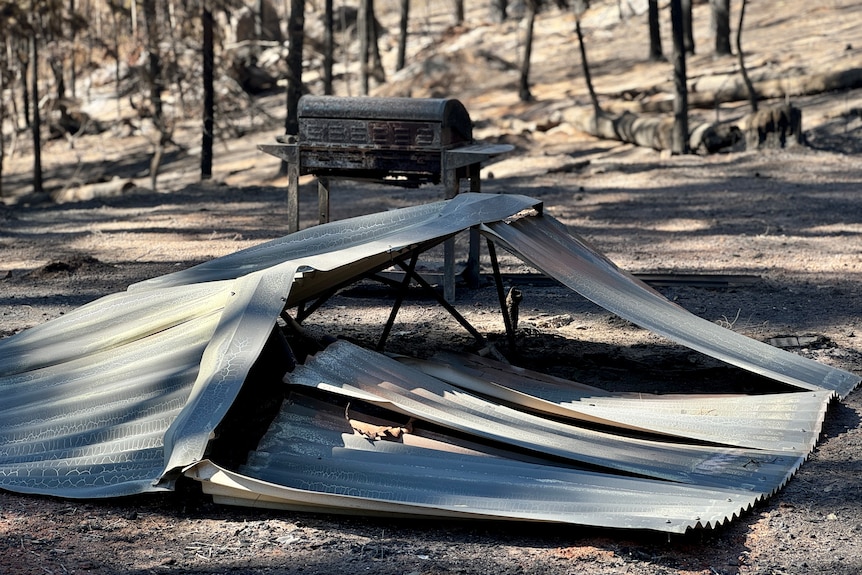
(781, 422)
(121, 395)
(117, 396)
(311, 449)
(569, 259)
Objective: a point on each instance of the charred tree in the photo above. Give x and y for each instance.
(156, 85)
(24, 62)
(749, 87)
(377, 71)
(328, 45)
(687, 27)
(209, 94)
(655, 51)
(680, 107)
(296, 35)
(524, 83)
(588, 78)
(402, 34)
(4, 69)
(364, 40)
(459, 12)
(370, 63)
(720, 21)
(36, 124)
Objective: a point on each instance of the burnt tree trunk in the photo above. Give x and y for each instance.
(776, 127)
(364, 41)
(749, 87)
(720, 22)
(155, 77)
(296, 35)
(402, 34)
(656, 132)
(36, 124)
(655, 51)
(328, 46)
(24, 61)
(209, 95)
(680, 102)
(687, 27)
(3, 113)
(588, 78)
(377, 71)
(524, 84)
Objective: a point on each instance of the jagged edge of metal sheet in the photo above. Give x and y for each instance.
(546, 244)
(734, 427)
(382, 381)
(317, 434)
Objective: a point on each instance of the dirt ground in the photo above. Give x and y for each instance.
(787, 220)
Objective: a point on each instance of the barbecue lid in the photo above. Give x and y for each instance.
(448, 112)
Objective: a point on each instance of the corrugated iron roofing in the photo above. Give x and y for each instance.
(120, 395)
(544, 243)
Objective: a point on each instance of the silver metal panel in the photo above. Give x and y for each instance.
(119, 395)
(782, 422)
(377, 379)
(94, 426)
(348, 243)
(310, 454)
(546, 244)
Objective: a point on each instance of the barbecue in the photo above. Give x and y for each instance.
(404, 142)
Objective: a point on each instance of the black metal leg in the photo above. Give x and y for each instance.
(399, 299)
(448, 307)
(302, 312)
(498, 281)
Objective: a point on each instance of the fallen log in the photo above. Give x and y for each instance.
(710, 91)
(652, 131)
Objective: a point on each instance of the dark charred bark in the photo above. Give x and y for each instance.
(655, 51)
(402, 34)
(721, 26)
(680, 107)
(524, 84)
(209, 94)
(588, 78)
(296, 36)
(364, 31)
(749, 87)
(36, 124)
(687, 26)
(24, 61)
(328, 46)
(156, 85)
